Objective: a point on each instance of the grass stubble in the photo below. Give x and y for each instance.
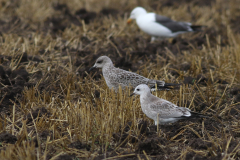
(66, 106)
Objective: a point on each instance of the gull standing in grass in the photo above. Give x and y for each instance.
(160, 110)
(160, 26)
(116, 77)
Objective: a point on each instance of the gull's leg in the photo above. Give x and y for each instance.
(152, 39)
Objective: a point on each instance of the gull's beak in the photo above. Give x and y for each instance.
(91, 68)
(132, 94)
(129, 20)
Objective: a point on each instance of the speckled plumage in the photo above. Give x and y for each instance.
(115, 76)
(166, 111)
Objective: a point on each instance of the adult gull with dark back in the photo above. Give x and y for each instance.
(160, 26)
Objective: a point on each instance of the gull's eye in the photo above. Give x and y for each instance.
(138, 89)
(99, 61)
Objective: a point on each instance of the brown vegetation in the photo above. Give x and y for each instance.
(51, 107)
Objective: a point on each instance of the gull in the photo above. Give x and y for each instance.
(116, 77)
(160, 26)
(161, 110)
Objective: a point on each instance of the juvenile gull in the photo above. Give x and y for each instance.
(160, 26)
(115, 76)
(166, 111)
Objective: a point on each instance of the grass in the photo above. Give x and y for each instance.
(63, 110)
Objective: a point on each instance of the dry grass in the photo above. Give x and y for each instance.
(61, 104)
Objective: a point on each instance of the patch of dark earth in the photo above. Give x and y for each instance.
(59, 22)
(158, 146)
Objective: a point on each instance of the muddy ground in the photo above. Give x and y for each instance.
(44, 64)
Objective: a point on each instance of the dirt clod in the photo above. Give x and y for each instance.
(8, 138)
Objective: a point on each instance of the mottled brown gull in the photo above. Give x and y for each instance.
(162, 110)
(160, 26)
(116, 77)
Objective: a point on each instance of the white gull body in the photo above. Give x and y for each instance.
(160, 26)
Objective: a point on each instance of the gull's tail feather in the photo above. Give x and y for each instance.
(194, 115)
(197, 28)
(164, 86)
(198, 115)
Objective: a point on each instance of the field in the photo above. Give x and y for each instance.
(53, 108)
